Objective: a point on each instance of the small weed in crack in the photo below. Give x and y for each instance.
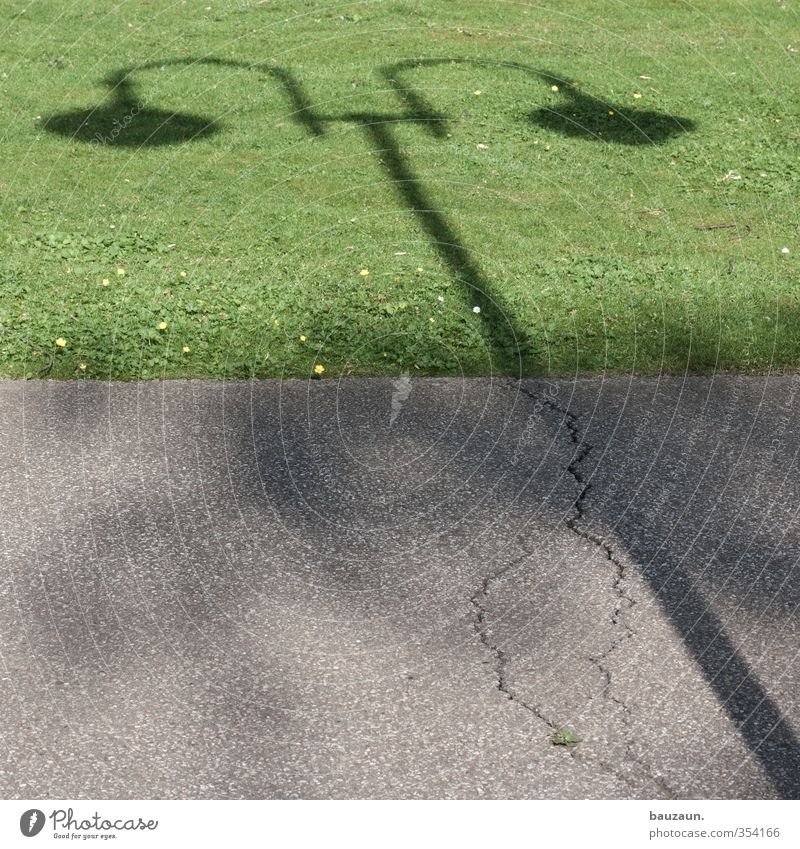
(565, 737)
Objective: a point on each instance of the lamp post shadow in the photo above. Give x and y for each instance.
(580, 115)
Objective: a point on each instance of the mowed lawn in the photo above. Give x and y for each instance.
(236, 189)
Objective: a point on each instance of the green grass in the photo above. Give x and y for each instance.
(243, 162)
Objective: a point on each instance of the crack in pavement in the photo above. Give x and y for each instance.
(477, 600)
(582, 451)
(624, 602)
(577, 756)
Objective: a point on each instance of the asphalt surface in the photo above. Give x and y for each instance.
(403, 589)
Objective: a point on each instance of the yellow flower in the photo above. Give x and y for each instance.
(106, 281)
(420, 270)
(319, 369)
(162, 325)
(183, 274)
(610, 111)
(186, 349)
(637, 96)
(120, 272)
(364, 272)
(477, 92)
(61, 342)
(302, 338)
(553, 88)
(82, 366)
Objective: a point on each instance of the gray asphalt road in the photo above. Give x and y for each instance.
(400, 589)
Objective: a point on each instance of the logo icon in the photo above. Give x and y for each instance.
(401, 389)
(31, 822)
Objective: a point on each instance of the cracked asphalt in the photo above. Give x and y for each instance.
(378, 589)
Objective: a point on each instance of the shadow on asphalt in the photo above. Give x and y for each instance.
(204, 508)
(713, 542)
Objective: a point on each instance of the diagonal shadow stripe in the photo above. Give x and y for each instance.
(759, 720)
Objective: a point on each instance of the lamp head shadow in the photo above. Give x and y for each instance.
(580, 115)
(125, 121)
